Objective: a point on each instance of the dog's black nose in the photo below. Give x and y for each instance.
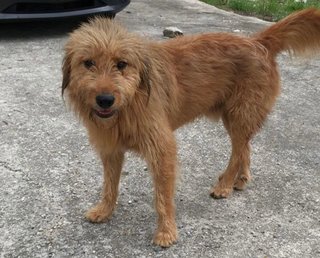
(105, 100)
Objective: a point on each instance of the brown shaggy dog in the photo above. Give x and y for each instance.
(131, 94)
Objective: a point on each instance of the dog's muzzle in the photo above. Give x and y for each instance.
(104, 103)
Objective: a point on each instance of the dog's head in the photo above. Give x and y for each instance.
(104, 69)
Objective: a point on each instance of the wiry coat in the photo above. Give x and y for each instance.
(165, 85)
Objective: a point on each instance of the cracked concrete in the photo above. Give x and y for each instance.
(49, 175)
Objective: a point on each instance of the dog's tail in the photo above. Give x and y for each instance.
(299, 33)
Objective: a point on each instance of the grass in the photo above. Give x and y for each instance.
(271, 10)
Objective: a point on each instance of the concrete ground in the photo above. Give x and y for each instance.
(49, 175)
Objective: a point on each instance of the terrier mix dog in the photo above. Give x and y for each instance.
(131, 94)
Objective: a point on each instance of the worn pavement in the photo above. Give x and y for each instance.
(49, 175)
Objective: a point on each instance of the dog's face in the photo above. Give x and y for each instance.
(104, 69)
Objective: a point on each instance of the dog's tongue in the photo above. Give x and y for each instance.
(105, 111)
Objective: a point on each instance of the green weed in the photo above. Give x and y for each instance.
(272, 10)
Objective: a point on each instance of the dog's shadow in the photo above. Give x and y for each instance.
(39, 29)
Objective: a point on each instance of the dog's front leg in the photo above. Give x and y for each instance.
(162, 161)
(112, 165)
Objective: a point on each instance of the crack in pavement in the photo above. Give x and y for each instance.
(7, 166)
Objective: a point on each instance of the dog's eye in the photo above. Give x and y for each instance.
(88, 63)
(121, 65)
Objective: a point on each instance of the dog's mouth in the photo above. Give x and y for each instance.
(104, 113)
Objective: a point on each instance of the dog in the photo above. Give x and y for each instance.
(132, 93)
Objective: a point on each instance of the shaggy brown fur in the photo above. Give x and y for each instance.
(157, 87)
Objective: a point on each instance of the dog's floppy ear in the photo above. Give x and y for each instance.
(145, 78)
(66, 69)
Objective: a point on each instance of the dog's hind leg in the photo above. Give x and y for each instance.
(112, 170)
(241, 124)
(243, 175)
(237, 173)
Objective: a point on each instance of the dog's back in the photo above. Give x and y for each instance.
(225, 67)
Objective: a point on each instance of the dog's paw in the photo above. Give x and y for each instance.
(219, 192)
(241, 182)
(165, 238)
(99, 213)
